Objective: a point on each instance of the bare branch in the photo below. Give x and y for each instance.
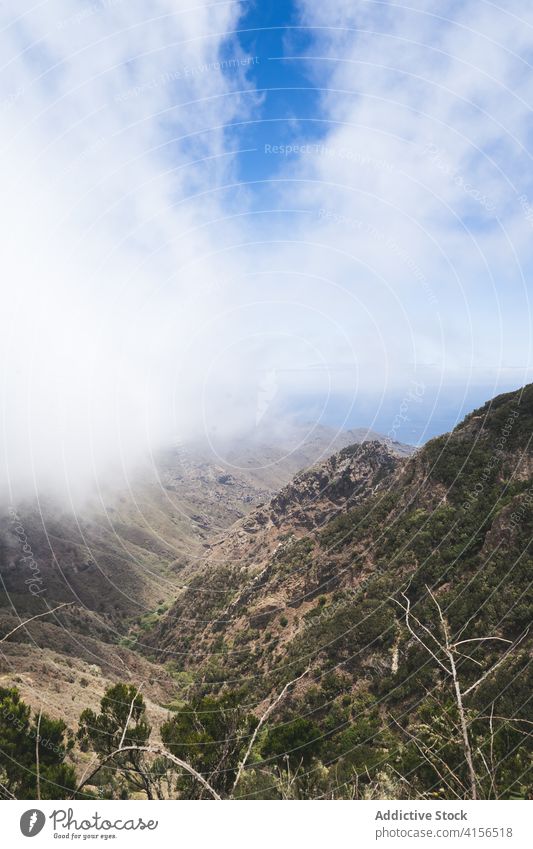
(153, 750)
(452, 671)
(468, 657)
(7, 792)
(489, 772)
(479, 640)
(129, 717)
(507, 719)
(86, 775)
(493, 774)
(495, 666)
(407, 611)
(37, 616)
(37, 765)
(421, 624)
(261, 722)
(458, 698)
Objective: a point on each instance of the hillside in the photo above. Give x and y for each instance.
(346, 573)
(259, 561)
(376, 609)
(120, 561)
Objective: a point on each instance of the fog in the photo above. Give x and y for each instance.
(146, 302)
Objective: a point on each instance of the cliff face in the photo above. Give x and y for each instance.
(259, 561)
(120, 562)
(312, 578)
(310, 500)
(314, 585)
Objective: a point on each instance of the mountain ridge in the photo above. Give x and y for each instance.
(439, 526)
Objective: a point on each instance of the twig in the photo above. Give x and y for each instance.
(37, 765)
(507, 719)
(129, 717)
(479, 640)
(153, 750)
(491, 726)
(496, 665)
(37, 616)
(489, 772)
(420, 745)
(261, 722)
(7, 792)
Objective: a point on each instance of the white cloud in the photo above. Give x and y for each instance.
(415, 184)
(112, 117)
(143, 304)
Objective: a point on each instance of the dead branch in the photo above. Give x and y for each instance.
(408, 615)
(447, 648)
(37, 616)
(498, 663)
(37, 765)
(153, 750)
(259, 725)
(479, 640)
(129, 717)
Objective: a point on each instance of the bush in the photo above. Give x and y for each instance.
(18, 736)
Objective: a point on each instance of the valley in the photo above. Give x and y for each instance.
(333, 597)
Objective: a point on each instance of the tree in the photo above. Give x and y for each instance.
(296, 743)
(121, 723)
(456, 723)
(211, 734)
(32, 752)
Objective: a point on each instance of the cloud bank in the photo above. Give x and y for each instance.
(150, 295)
(113, 120)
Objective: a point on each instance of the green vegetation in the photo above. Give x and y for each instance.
(411, 652)
(120, 723)
(212, 735)
(32, 752)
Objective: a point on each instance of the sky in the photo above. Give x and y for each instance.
(214, 213)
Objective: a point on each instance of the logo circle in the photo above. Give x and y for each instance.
(32, 822)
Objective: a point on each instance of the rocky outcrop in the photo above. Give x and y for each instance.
(257, 554)
(309, 577)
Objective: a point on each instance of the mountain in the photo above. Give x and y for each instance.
(376, 608)
(120, 561)
(365, 575)
(240, 563)
(213, 484)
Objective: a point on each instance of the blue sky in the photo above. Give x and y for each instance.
(269, 32)
(171, 260)
(297, 109)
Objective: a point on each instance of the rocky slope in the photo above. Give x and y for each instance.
(316, 580)
(258, 565)
(121, 560)
(342, 580)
